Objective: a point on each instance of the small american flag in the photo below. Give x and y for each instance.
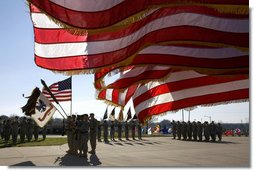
(61, 90)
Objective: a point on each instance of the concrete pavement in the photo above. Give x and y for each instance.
(152, 151)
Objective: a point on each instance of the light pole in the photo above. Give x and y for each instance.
(182, 115)
(209, 117)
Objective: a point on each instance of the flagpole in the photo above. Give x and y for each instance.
(52, 95)
(71, 97)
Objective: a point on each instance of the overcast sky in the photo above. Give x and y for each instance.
(19, 74)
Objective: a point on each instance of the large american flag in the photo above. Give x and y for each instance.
(61, 90)
(181, 89)
(196, 36)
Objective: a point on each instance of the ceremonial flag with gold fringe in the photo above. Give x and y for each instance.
(203, 37)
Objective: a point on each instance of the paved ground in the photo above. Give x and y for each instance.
(152, 151)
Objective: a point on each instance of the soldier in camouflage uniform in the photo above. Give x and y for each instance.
(194, 130)
(139, 126)
(112, 131)
(184, 130)
(79, 143)
(84, 130)
(23, 129)
(219, 131)
(99, 130)
(7, 131)
(14, 130)
(213, 131)
(179, 130)
(44, 132)
(200, 131)
(105, 131)
(68, 132)
(189, 130)
(206, 131)
(30, 129)
(36, 132)
(133, 126)
(126, 130)
(174, 129)
(75, 138)
(119, 130)
(93, 129)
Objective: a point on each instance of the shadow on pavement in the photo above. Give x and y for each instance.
(71, 160)
(26, 163)
(94, 160)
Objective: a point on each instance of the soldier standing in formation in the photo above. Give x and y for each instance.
(93, 129)
(126, 130)
(44, 132)
(179, 130)
(105, 131)
(23, 129)
(133, 126)
(174, 127)
(7, 131)
(119, 130)
(139, 131)
(68, 133)
(112, 131)
(200, 130)
(30, 129)
(79, 143)
(206, 131)
(84, 130)
(14, 130)
(194, 130)
(189, 131)
(184, 130)
(36, 132)
(219, 131)
(99, 131)
(213, 131)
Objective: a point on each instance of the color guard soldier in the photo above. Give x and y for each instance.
(68, 132)
(30, 129)
(184, 130)
(93, 129)
(84, 136)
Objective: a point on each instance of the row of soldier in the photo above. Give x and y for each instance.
(10, 128)
(81, 129)
(196, 130)
(119, 127)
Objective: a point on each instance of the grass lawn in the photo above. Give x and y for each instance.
(47, 142)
